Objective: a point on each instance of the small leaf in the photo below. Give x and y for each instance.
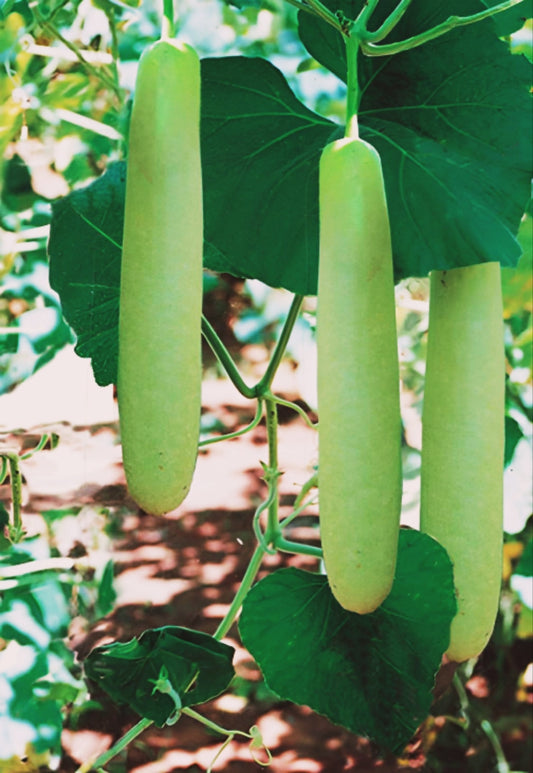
(107, 594)
(373, 673)
(513, 434)
(525, 565)
(196, 666)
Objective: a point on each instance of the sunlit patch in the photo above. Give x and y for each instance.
(84, 745)
(216, 611)
(233, 704)
(139, 586)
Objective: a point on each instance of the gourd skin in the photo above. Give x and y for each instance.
(463, 444)
(360, 483)
(159, 361)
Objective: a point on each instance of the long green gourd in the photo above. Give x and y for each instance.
(463, 443)
(159, 361)
(360, 483)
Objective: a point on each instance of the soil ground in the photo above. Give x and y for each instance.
(184, 570)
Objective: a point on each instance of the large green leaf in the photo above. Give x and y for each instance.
(373, 673)
(260, 153)
(452, 123)
(197, 667)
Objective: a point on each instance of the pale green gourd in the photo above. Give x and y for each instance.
(463, 443)
(159, 361)
(360, 482)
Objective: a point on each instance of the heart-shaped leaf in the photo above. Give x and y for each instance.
(372, 674)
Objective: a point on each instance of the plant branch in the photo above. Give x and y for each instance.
(224, 357)
(272, 473)
(300, 548)
(246, 584)
(50, 27)
(263, 386)
(390, 22)
(47, 437)
(16, 529)
(368, 9)
(117, 747)
(319, 9)
(257, 418)
(451, 23)
(295, 407)
(109, 12)
(270, 479)
(265, 383)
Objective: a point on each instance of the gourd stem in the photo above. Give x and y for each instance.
(451, 23)
(353, 94)
(264, 384)
(168, 27)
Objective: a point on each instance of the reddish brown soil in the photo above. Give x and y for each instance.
(184, 569)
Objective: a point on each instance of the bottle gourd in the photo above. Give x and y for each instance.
(360, 483)
(463, 443)
(159, 361)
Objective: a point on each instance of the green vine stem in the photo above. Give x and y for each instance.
(224, 358)
(111, 20)
(451, 23)
(117, 747)
(299, 548)
(296, 512)
(265, 383)
(272, 474)
(361, 22)
(100, 75)
(3, 468)
(47, 438)
(257, 418)
(389, 24)
(319, 9)
(309, 484)
(253, 735)
(270, 479)
(502, 766)
(295, 407)
(16, 528)
(246, 584)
